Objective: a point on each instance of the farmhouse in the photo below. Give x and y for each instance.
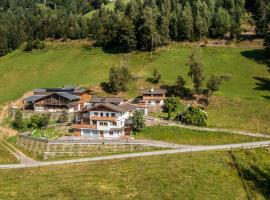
(70, 98)
(152, 98)
(104, 121)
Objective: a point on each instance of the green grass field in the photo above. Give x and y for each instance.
(191, 137)
(109, 6)
(241, 103)
(5, 156)
(207, 175)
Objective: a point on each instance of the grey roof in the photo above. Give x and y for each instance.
(153, 91)
(68, 96)
(106, 100)
(69, 89)
(33, 98)
(116, 108)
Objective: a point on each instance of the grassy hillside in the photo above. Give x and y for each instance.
(109, 6)
(192, 137)
(5, 156)
(208, 175)
(241, 103)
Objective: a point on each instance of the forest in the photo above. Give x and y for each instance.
(136, 25)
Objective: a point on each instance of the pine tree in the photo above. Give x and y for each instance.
(196, 70)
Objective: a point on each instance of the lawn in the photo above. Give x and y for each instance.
(5, 156)
(205, 175)
(192, 137)
(241, 103)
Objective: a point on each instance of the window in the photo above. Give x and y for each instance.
(114, 124)
(107, 114)
(111, 133)
(101, 114)
(113, 114)
(103, 123)
(96, 113)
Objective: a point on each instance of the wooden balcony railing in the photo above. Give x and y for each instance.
(78, 126)
(97, 118)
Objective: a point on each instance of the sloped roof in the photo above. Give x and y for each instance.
(68, 89)
(153, 91)
(106, 100)
(115, 108)
(68, 96)
(33, 98)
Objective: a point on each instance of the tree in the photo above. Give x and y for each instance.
(193, 116)
(179, 88)
(18, 120)
(156, 77)
(196, 70)
(118, 79)
(119, 6)
(138, 121)
(221, 23)
(173, 105)
(213, 83)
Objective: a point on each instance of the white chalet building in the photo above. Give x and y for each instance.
(104, 121)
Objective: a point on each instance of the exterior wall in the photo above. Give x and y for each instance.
(108, 124)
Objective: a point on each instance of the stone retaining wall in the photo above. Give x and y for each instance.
(53, 150)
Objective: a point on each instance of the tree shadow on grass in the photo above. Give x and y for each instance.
(258, 179)
(258, 55)
(263, 83)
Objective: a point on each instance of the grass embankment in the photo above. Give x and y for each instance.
(5, 156)
(192, 137)
(241, 103)
(205, 175)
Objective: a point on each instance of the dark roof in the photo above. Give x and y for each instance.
(116, 108)
(153, 91)
(33, 98)
(68, 96)
(106, 100)
(68, 89)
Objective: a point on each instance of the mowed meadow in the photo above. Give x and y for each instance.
(241, 103)
(203, 175)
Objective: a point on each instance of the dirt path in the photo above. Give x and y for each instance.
(135, 155)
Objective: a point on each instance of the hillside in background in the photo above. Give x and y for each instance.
(241, 103)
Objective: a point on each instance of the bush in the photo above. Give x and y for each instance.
(172, 105)
(37, 44)
(63, 117)
(193, 116)
(39, 122)
(18, 123)
(213, 83)
(137, 121)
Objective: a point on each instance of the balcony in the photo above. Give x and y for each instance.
(79, 126)
(153, 98)
(97, 118)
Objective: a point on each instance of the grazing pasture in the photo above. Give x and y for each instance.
(241, 103)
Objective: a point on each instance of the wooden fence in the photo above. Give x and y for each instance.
(52, 150)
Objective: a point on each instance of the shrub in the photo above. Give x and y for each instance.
(172, 105)
(156, 77)
(137, 121)
(39, 122)
(213, 83)
(193, 116)
(18, 120)
(63, 117)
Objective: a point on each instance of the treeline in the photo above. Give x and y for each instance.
(23, 20)
(139, 24)
(146, 24)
